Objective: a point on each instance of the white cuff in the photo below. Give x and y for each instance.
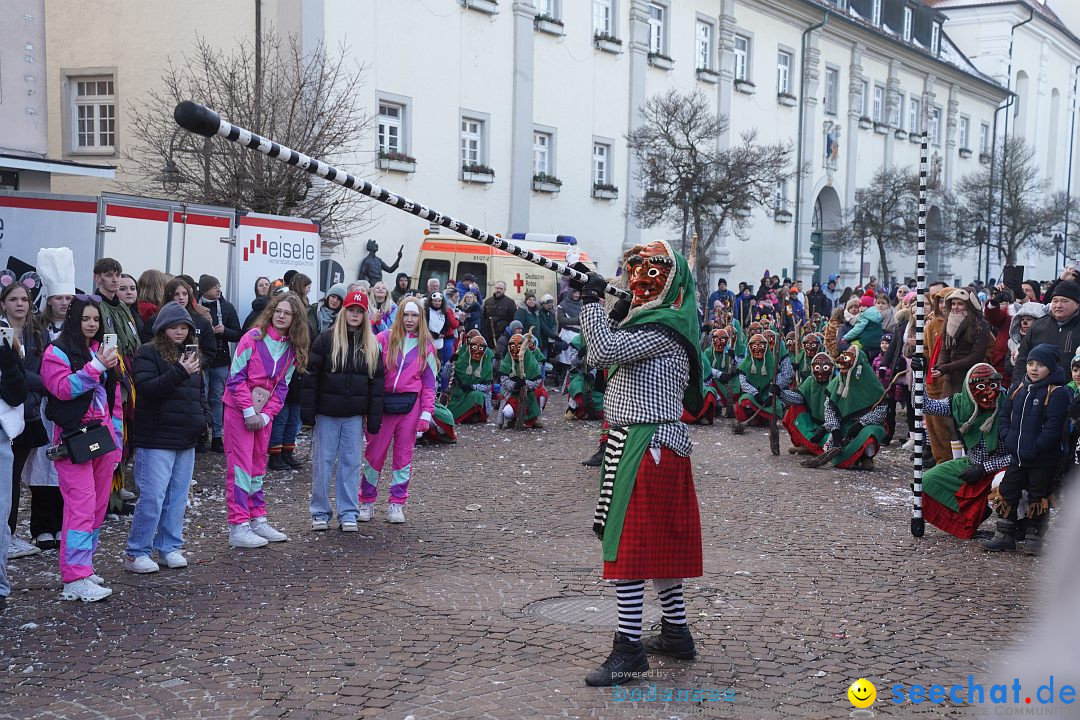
(426, 416)
(98, 365)
(266, 418)
(249, 412)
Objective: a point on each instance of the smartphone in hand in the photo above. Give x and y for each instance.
(7, 335)
(109, 342)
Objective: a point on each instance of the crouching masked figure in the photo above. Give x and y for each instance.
(520, 376)
(470, 396)
(805, 416)
(854, 414)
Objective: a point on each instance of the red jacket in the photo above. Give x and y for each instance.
(999, 320)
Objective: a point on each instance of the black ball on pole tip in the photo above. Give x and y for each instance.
(197, 118)
(918, 527)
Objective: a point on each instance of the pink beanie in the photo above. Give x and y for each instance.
(867, 300)
(910, 297)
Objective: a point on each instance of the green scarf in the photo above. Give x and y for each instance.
(759, 374)
(855, 392)
(509, 367)
(638, 438)
(117, 319)
(678, 311)
(470, 372)
(972, 423)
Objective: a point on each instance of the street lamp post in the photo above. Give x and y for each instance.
(980, 238)
(1058, 244)
(860, 221)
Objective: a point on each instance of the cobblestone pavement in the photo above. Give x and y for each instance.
(812, 579)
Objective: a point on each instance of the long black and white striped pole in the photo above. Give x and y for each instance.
(204, 121)
(918, 524)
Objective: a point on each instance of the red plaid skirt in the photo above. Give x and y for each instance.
(744, 409)
(661, 535)
(708, 411)
(971, 498)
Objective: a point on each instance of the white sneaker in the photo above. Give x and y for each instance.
(126, 495)
(174, 560)
(319, 525)
(367, 511)
(96, 579)
(21, 548)
(140, 564)
(396, 513)
(241, 536)
(908, 444)
(349, 526)
(84, 590)
(263, 529)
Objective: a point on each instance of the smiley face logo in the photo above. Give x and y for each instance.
(862, 693)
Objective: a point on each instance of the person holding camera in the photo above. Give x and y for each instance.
(170, 417)
(85, 396)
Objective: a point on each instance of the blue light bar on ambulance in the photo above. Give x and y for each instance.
(544, 237)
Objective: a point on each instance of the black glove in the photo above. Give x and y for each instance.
(853, 432)
(973, 473)
(9, 359)
(819, 436)
(517, 380)
(726, 377)
(918, 362)
(467, 387)
(1003, 297)
(762, 397)
(619, 310)
(373, 427)
(598, 530)
(773, 389)
(307, 419)
(593, 288)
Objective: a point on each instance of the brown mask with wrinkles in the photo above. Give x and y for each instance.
(477, 347)
(719, 340)
(811, 345)
(846, 361)
(770, 337)
(822, 367)
(758, 346)
(754, 328)
(514, 346)
(648, 267)
(789, 341)
(984, 382)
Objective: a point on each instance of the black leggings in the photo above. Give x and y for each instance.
(22, 454)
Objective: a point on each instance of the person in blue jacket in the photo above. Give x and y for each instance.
(1032, 427)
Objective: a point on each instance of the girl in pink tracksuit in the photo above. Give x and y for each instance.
(83, 387)
(411, 369)
(266, 357)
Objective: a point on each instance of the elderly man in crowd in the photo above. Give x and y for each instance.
(1060, 328)
(499, 310)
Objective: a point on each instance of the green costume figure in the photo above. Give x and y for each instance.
(582, 379)
(854, 415)
(811, 345)
(519, 378)
(805, 416)
(470, 396)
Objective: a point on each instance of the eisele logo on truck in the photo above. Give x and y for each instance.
(280, 251)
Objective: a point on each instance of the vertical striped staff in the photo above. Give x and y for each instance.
(918, 524)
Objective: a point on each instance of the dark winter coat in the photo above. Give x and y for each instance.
(222, 312)
(970, 348)
(347, 393)
(1065, 336)
(204, 336)
(257, 306)
(818, 302)
(498, 313)
(171, 413)
(1031, 425)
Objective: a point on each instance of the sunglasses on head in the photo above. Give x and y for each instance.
(88, 298)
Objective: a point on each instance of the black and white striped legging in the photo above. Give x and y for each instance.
(630, 595)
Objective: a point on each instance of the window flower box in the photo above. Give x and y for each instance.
(607, 43)
(745, 87)
(866, 123)
(985, 158)
(965, 153)
(549, 24)
(488, 7)
(786, 99)
(603, 191)
(708, 75)
(661, 61)
(782, 216)
(900, 134)
(397, 162)
(881, 128)
(742, 212)
(545, 183)
(476, 173)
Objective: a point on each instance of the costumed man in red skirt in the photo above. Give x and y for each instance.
(647, 513)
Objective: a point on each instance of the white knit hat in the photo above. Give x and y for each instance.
(56, 266)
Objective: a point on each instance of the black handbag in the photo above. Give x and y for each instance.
(88, 442)
(398, 403)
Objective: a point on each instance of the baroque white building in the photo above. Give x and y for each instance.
(527, 88)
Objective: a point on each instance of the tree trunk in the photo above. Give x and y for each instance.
(883, 263)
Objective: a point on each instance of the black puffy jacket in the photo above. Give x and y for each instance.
(340, 394)
(170, 412)
(222, 311)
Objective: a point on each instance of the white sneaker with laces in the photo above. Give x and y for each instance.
(21, 548)
(319, 525)
(263, 529)
(396, 513)
(367, 511)
(140, 564)
(349, 526)
(174, 560)
(84, 590)
(241, 536)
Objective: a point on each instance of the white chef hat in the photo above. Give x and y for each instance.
(56, 267)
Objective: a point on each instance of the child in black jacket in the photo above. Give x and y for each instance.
(1032, 427)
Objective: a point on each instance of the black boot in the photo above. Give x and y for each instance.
(217, 445)
(597, 457)
(627, 657)
(1004, 539)
(674, 641)
(1034, 543)
(276, 463)
(290, 460)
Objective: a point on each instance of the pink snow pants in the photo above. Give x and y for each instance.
(245, 459)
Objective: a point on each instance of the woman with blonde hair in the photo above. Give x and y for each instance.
(287, 423)
(408, 403)
(343, 385)
(266, 359)
(151, 292)
(382, 306)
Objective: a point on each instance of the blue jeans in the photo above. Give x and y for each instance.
(163, 478)
(341, 439)
(7, 459)
(214, 387)
(286, 425)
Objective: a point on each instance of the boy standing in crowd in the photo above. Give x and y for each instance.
(226, 330)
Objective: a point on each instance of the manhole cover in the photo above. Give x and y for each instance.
(587, 610)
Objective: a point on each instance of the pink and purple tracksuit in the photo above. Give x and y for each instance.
(406, 373)
(85, 487)
(266, 362)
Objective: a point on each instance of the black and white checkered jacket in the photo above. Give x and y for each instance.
(652, 376)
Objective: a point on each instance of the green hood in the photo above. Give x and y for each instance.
(973, 423)
(858, 390)
(469, 371)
